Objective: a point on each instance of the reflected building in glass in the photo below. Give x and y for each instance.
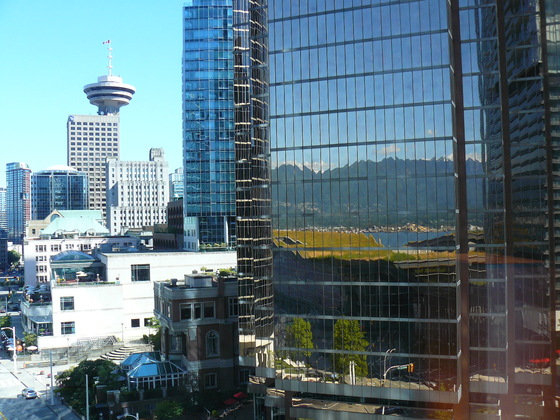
(208, 144)
(414, 154)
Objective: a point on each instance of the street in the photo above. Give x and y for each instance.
(12, 405)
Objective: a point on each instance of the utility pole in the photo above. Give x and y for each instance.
(87, 398)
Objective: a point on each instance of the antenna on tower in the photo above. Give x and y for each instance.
(109, 58)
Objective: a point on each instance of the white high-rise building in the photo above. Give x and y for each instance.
(137, 192)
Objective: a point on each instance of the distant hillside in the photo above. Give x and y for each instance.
(367, 193)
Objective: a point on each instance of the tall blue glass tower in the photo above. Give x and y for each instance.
(208, 144)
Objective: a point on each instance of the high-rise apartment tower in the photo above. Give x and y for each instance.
(18, 195)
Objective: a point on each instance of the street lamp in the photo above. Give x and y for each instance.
(385, 364)
(15, 346)
(122, 416)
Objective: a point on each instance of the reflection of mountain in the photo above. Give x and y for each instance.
(388, 192)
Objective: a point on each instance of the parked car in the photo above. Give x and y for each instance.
(29, 393)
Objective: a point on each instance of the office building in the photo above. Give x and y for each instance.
(414, 150)
(208, 146)
(92, 139)
(58, 188)
(176, 185)
(3, 210)
(137, 192)
(253, 196)
(18, 195)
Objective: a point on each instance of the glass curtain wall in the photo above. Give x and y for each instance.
(208, 145)
(413, 204)
(252, 175)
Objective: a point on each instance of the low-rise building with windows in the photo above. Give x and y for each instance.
(199, 318)
(106, 296)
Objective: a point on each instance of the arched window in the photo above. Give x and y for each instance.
(212, 344)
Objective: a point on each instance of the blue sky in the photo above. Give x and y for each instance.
(50, 49)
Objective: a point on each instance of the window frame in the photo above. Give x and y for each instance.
(66, 301)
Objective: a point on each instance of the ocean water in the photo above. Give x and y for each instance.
(400, 239)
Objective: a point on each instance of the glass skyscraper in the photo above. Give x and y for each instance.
(58, 188)
(208, 143)
(18, 195)
(414, 154)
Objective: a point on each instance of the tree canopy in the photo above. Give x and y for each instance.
(349, 336)
(168, 410)
(13, 257)
(72, 385)
(299, 335)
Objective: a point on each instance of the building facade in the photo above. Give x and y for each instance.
(208, 145)
(58, 188)
(176, 185)
(137, 192)
(106, 294)
(253, 194)
(92, 139)
(398, 129)
(199, 329)
(3, 210)
(18, 197)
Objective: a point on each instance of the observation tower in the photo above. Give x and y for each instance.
(109, 93)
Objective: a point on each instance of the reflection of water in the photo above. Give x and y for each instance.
(400, 239)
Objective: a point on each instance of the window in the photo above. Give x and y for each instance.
(147, 322)
(210, 381)
(212, 344)
(198, 310)
(67, 328)
(140, 272)
(244, 376)
(67, 303)
(185, 309)
(233, 307)
(209, 310)
(135, 323)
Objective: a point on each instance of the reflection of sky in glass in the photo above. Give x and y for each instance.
(351, 81)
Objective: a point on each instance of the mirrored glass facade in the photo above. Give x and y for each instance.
(253, 195)
(18, 199)
(413, 163)
(208, 145)
(58, 189)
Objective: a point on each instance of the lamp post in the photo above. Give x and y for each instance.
(15, 346)
(385, 364)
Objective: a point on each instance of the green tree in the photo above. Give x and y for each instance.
(5, 321)
(13, 257)
(72, 385)
(299, 335)
(30, 339)
(349, 336)
(155, 338)
(168, 410)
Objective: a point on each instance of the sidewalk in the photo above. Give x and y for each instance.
(31, 379)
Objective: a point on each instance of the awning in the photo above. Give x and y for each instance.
(41, 319)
